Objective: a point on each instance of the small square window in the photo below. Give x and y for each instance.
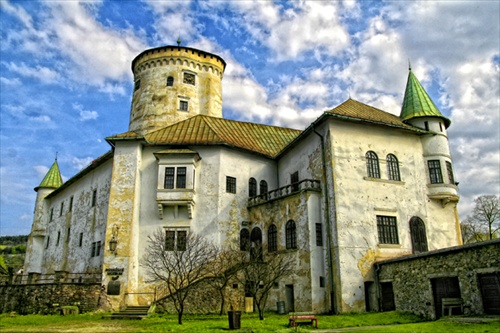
(189, 78)
(321, 281)
(230, 184)
(183, 106)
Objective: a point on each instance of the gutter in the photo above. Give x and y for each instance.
(328, 227)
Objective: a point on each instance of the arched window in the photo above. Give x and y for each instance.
(393, 167)
(244, 240)
(263, 187)
(418, 235)
(372, 165)
(291, 235)
(272, 239)
(252, 187)
(170, 81)
(256, 243)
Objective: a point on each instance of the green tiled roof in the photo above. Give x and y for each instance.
(417, 102)
(53, 178)
(357, 111)
(205, 130)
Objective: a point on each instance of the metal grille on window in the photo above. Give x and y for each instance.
(181, 240)
(435, 171)
(181, 177)
(372, 165)
(387, 230)
(393, 167)
(319, 234)
(183, 105)
(169, 177)
(230, 184)
(169, 240)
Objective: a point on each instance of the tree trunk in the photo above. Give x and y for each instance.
(179, 317)
(222, 302)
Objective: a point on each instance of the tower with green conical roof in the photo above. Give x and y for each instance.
(38, 237)
(419, 110)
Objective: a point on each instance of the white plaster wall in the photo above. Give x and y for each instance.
(82, 219)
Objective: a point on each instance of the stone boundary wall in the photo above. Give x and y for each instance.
(411, 276)
(49, 298)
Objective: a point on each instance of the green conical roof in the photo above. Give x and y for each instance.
(417, 102)
(53, 178)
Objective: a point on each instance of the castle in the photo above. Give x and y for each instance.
(357, 186)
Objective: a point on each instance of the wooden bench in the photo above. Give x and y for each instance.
(295, 317)
(450, 304)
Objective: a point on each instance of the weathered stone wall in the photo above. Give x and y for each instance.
(49, 298)
(411, 276)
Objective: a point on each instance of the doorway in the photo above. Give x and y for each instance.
(290, 298)
(490, 291)
(447, 287)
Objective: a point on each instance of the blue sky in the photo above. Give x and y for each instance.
(66, 82)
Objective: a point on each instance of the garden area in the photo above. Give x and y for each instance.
(359, 322)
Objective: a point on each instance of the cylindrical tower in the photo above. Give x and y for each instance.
(173, 83)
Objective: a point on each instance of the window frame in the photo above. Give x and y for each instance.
(230, 184)
(263, 187)
(393, 167)
(189, 78)
(94, 198)
(175, 178)
(291, 235)
(449, 170)
(294, 181)
(272, 238)
(178, 240)
(170, 81)
(319, 234)
(387, 229)
(244, 239)
(372, 164)
(435, 172)
(252, 187)
(183, 105)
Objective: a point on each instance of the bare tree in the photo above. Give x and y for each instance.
(261, 271)
(181, 262)
(484, 223)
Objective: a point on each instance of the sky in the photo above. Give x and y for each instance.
(66, 80)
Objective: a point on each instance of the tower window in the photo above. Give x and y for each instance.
(94, 197)
(449, 168)
(291, 235)
(319, 234)
(426, 124)
(435, 171)
(170, 81)
(70, 208)
(183, 105)
(137, 85)
(62, 209)
(189, 78)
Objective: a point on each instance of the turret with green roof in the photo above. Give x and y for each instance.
(52, 179)
(417, 103)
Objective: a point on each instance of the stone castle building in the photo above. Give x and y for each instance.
(357, 186)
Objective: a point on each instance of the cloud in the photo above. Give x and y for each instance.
(81, 163)
(85, 114)
(44, 74)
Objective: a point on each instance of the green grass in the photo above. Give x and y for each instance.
(249, 323)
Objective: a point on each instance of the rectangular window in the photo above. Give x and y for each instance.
(175, 240)
(92, 250)
(48, 242)
(94, 197)
(98, 248)
(451, 177)
(58, 238)
(62, 208)
(294, 180)
(68, 235)
(183, 105)
(230, 184)
(321, 281)
(80, 241)
(426, 124)
(169, 177)
(319, 234)
(181, 177)
(70, 208)
(51, 214)
(440, 127)
(435, 171)
(387, 230)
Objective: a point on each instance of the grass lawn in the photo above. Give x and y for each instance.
(397, 322)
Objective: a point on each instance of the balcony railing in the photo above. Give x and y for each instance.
(304, 185)
(58, 277)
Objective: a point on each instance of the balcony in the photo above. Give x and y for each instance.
(285, 191)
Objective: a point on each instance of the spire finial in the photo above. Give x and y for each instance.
(179, 41)
(409, 64)
(56, 155)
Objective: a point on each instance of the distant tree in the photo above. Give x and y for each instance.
(181, 263)
(261, 271)
(484, 223)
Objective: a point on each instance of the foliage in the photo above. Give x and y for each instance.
(13, 240)
(484, 223)
(16, 249)
(179, 270)
(362, 322)
(261, 271)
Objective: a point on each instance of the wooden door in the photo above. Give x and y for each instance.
(447, 287)
(490, 290)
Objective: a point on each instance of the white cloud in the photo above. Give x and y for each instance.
(44, 74)
(85, 114)
(10, 82)
(81, 163)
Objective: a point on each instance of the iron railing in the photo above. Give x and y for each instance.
(304, 185)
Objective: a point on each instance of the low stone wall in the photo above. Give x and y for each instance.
(411, 276)
(48, 298)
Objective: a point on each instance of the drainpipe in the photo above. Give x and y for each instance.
(328, 227)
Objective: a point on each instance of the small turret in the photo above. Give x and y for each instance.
(36, 239)
(420, 111)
